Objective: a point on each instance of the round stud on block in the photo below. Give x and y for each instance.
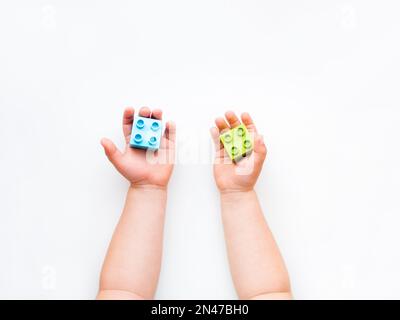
(234, 151)
(138, 138)
(228, 137)
(155, 126)
(140, 124)
(247, 144)
(153, 140)
(240, 132)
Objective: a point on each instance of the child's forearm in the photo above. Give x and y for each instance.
(132, 265)
(256, 264)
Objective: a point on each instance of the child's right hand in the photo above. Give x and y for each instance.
(241, 176)
(133, 164)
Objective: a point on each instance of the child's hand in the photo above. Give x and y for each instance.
(242, 176)
(140, 168)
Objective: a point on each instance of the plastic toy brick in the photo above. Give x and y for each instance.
(237, 142)
(146, 133)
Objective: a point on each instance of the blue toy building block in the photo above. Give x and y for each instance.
(146, 133)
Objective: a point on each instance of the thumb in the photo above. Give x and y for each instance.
(219, 150)
(112, 152)
(215, 137)
(259, 146)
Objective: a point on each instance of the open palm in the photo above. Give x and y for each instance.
(141, 167)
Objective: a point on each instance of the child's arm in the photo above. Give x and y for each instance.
(257, 268)
(133, 261)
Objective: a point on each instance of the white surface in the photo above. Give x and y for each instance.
(321, 79)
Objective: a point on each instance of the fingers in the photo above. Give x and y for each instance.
(232, 119)
(127, 121)
(112, 153)
(248, 122)
(170, 131)
(156, 114)
(221, 124)
(145, 112)
(168, 143)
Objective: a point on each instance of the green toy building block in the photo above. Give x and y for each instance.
(237, 142)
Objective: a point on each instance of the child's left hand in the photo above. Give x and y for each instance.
(133, 164)
(241, 176)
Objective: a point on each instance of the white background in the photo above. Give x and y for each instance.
(321, 79)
